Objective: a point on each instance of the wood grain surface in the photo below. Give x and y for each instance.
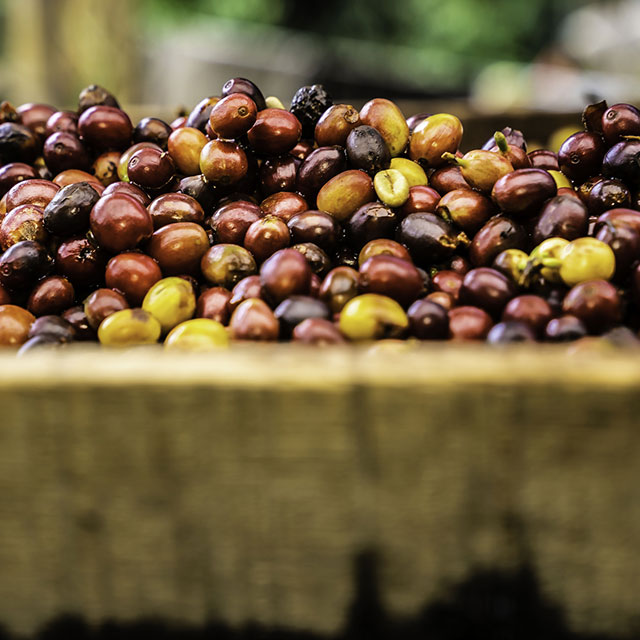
(239, 486)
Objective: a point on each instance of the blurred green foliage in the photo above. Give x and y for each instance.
(451, 39)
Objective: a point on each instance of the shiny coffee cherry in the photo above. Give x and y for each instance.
(385, 116)
(372, 220)
(199, 116)
(64, 151)
(152, 130)
(119, 222)
(565, 329)
(22, 265)
(81, 262)
(197, 334)
(480, 168)
(439, 133)
(77, 318)
(17, 143)
(178, 248)
(445, 300)
(51, 296)
(421, 199)
(185, 146)
(449, 282)
(318, 168)
(129, 189)
(94, 95)
(511, 331)
(71, 176)
(214, 304)
(129, 327)
(233, 116)
(254, 320)
(278, 174)
(15, 323)
(412, 171)
(231, 221)
(512, 263)
(343, 194)
(392, 277)
(104, 128)
(242, 85)
(335, 125)
(66, 121)
(586, 259)
(266, 236)
(133, 274)
(544, 159)
(469, 323)
(534, 311)
(383, 246)
(125, 156)
(22, 223)
(223, 162)
(40, 342)
(414, 120)
(275, 132)
(468, 209)
(459, 264)
(561, 217)
(53, 326)
(284, 274)
(283, 205)
(595, 302)
(618, 121)
(624, 241)
(497, 235)
(487, 289)
(105, 167)
(522, 193)
(338, 287)
(429, 238)
(367, 150)
(101, 304)
(606, 194)
(302, 150)
(175, 207)
(621, 216)
(36, 192)
(318, 259)
(246, 288)
(428, 320)
(317, 331)
(199, 189)
(448, 178)
(371, 316)
(150, 168)
(224, 265)
(69, 211)
(622, 161)
(171, 301)
(314, 226)
(295, 309)
(12, 173)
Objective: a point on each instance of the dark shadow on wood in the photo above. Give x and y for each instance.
(491, 605)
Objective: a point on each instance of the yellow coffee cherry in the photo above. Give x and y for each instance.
(586, 259)
(199, 334)
(274, 103)
(371, 316)
(171, 301)
(129, 327)
(411, 170)
(560, 179)
(391, 187)
(548, 253)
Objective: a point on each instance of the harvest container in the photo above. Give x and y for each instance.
(284, 493)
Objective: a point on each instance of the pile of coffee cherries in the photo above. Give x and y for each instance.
(318, 224)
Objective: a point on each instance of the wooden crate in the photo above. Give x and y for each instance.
(436, 492)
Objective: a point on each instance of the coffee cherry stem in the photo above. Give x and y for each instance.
(450, 157)
(501, 142)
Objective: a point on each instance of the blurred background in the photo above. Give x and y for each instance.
(485, 56)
